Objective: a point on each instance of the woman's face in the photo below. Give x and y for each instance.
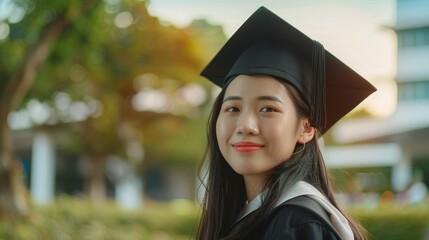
(258, 127)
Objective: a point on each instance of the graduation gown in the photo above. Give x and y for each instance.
(291, 221)
(301, 213)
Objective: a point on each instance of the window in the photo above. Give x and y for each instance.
(413, 91)
(413, 37)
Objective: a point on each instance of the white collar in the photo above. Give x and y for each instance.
(339, 222)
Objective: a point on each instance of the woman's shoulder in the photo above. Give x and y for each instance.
(299, 218)
(300, 210)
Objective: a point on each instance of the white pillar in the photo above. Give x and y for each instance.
(402, 173)
(43, 169)
(128, 192)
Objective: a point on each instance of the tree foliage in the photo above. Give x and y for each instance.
(108, 58)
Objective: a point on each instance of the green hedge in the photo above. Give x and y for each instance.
(394, 223)
(78, 219)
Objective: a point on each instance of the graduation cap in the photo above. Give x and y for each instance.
(266, 44)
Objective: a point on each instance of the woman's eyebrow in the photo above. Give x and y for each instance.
(269, 98)
(231, 98)
(260, 98)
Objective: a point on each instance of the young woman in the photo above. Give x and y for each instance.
(266, 174)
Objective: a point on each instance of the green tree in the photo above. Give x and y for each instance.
(105, 55)
(32, 39)
(116, 64)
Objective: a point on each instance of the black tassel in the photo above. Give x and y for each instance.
(318, 98)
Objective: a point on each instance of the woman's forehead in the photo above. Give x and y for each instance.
(255, 85)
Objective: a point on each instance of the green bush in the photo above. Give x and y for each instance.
(394, 223)
(73, 219)
(78, 219)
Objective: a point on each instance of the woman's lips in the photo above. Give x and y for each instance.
(247, 146)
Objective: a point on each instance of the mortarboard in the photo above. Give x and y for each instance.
(266, 44)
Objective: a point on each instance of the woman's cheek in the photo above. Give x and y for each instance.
(220, 130)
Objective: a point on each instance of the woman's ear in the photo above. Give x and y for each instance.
(307, 131)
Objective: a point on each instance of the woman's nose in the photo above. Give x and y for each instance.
(247, 123)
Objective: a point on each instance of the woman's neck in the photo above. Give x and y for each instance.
(254, 185)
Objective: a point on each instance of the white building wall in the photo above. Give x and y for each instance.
(369, 155)
(411, 115)
(412, 13)
(413, 63)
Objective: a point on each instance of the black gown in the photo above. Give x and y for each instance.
(291, 221)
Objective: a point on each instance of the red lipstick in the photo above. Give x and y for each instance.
(247, 146)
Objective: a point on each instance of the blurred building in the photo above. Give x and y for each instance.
(49, 170)
(399, 142)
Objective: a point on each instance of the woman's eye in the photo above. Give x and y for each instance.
(268, 109)
(231, 109)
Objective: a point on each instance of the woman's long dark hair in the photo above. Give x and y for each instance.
(225, 194)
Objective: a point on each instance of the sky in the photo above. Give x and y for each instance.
(357, 32)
